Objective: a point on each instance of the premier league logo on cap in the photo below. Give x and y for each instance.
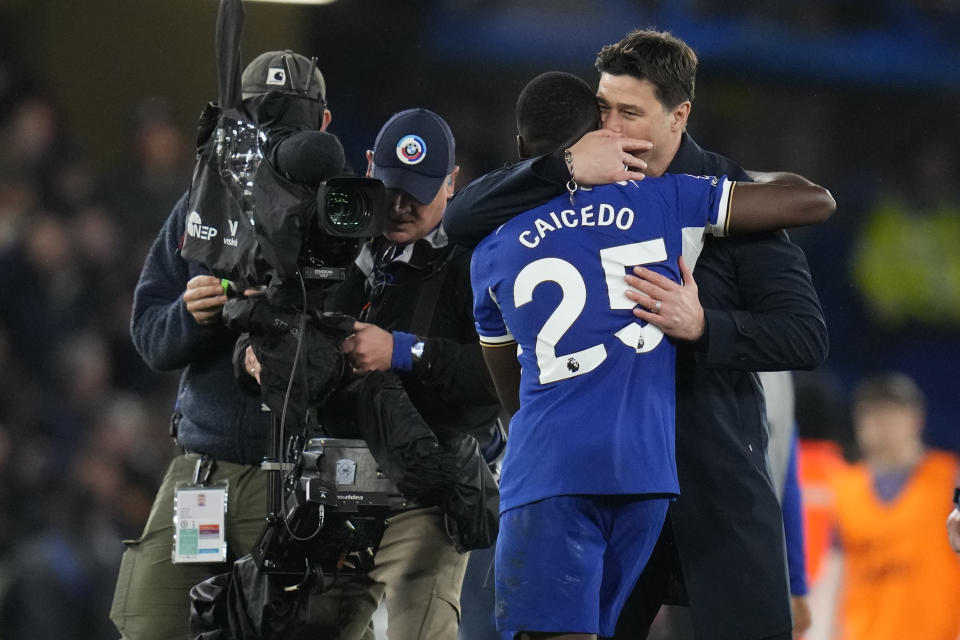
(411, 149)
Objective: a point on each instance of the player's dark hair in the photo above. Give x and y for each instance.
(665, 61)
(555, 109)
(895, 388)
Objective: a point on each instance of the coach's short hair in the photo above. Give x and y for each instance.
(664, 60)
(555, 109)
(894, 388)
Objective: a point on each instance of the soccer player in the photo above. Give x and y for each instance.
(752, 307)
(589, 469)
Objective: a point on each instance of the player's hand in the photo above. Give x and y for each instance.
(604, 156)
(679, 313)
(953, 529)
(252, 364)
(205, 298)
(370, 348)
(801, 615)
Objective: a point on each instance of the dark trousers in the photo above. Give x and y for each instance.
(661, 582)
(644, 617)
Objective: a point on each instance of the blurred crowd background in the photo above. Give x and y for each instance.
(98, 106)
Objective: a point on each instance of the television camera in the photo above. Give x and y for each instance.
(336, 490)
(270, 210)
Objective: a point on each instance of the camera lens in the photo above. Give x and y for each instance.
(346, 210)
(350, 207)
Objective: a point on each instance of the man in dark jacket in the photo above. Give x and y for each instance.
(410, 290)
(756, 310)
(176, 324)
(410, 287)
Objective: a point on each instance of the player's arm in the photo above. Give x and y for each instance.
(498, 346)
(486, 203)
(792, 508)
(768, 206)
(504, 368)
(777, 177)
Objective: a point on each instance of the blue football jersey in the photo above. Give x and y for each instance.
(597, 390)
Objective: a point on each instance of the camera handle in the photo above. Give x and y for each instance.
(275, 468)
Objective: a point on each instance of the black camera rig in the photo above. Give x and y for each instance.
(335, 501)
(270, 209)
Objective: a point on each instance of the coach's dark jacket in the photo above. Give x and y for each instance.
(762, 313)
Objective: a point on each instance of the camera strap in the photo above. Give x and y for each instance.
(430, 294)
(378, 276)
(427, 302)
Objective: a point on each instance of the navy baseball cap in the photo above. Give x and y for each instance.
(414, 152)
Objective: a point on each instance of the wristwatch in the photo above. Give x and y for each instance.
(416, 351)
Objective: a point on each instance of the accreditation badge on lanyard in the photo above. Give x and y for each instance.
(199, 517)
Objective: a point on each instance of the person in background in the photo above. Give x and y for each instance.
(782, 452)
(822, 428)
(900, 578)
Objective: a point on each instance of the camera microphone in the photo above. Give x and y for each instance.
(309, 157)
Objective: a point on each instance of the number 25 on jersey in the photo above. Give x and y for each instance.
(614, 260)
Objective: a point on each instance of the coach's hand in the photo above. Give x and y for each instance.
(674, 308)
(604, 156)
(370, 348)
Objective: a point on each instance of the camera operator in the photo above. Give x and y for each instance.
(176, 324)
(410, 290)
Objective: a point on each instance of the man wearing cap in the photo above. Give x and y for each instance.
(176, 325)
(410, 290)
(288, 72)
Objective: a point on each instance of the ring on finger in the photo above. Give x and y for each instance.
(656, 306)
